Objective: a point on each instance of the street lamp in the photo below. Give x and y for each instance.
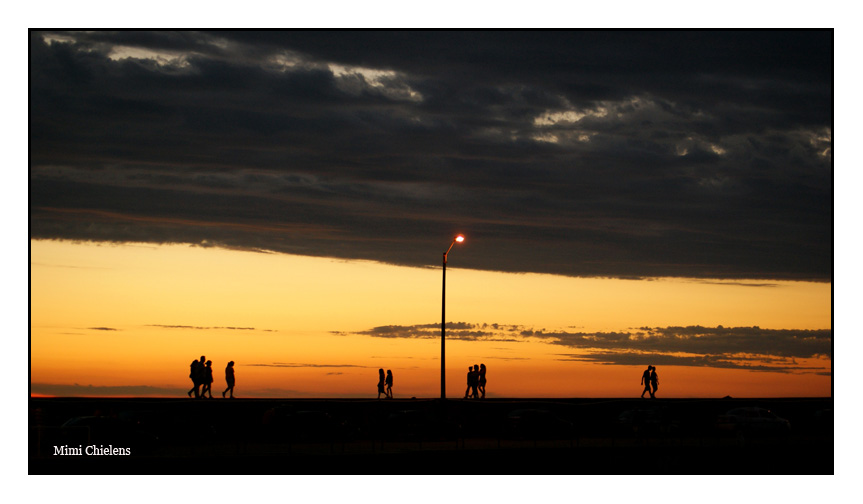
(459, 238)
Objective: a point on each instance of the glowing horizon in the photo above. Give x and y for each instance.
(126, 320)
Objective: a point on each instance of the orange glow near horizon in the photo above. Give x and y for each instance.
(126, 320)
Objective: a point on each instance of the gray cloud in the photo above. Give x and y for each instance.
(454, 330)
(77, 390)
(705, 340)
(305, 365)
(761, 363)
(751, 348)
(206, 328)
(626, 154)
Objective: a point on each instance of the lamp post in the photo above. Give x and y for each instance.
(459, 239)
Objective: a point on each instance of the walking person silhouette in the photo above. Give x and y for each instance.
(229, 378)
(474, 382)
(208, 380)
(195, 374)
(654, 382)
(469, 374)
(645, 380)
(482, 380)
(381, 383)
(389, 384)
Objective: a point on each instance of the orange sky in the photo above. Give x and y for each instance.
(114, 319)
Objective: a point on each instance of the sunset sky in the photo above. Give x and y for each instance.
(283, 200)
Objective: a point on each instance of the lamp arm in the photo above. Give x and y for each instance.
(447, 250)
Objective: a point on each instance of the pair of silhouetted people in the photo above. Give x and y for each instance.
(650, 382)
(475, 382)
(197, 372)
(201, 373)
(385, 384)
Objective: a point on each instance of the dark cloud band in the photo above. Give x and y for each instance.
(624, 154)
(751, 348)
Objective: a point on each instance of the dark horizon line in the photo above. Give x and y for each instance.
(459, 399)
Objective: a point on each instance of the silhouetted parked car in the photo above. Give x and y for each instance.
(537, 423)
(108, 430)
(307, 425)
(646, 420)
(753, 421)
(415, 424)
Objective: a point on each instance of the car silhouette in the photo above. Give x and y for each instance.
(752, 421)
(108, 430)
(646, 420)
(537, 423)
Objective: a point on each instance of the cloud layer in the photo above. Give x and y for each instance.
(611, 153)
(751, 348)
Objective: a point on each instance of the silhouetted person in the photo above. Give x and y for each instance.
(645, 380)
(208, 380)
(467, 390)
(197, 375)
(389, 384)
(229, 378)
(202, 372)
(654, 382)
(482, 380)
(381, 383)
(474, 382)
(194, 374)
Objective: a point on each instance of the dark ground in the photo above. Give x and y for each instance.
(426, 436)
